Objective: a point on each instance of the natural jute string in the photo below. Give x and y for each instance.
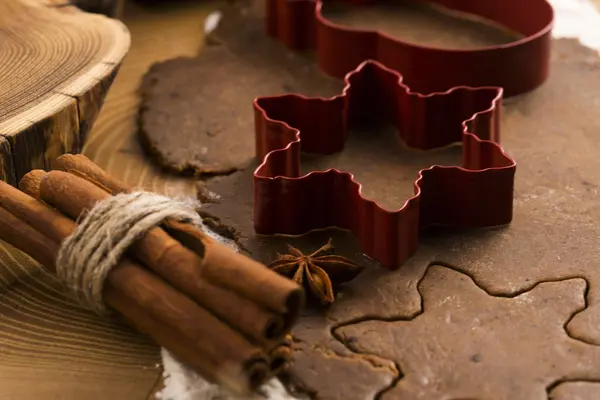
(105, 233)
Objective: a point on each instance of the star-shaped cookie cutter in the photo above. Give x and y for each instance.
(478, 193)
(518, 67)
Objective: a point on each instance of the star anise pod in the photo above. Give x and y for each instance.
(319, 272)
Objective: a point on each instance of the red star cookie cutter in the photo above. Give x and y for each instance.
(476, 194)
(518, 67)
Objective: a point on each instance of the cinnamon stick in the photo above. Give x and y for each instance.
(280, 355)
(24, 237)
(254, 375)
(162, 254)
(175, 322)
(236, 272)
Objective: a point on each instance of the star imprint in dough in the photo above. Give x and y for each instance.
(457, 347)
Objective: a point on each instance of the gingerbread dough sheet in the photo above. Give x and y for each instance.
(505, 313)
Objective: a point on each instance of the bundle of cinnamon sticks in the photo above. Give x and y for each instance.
(218, 311)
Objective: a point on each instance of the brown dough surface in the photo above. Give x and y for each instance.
(576, 391)
(419, 24)
(360, 377)
(554, 134)
(194, 123)
(468, 344)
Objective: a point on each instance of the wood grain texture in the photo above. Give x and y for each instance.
(50, 348)
(7, 171)
(57, 64)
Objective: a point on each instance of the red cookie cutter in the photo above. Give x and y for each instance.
(518, 67)
(478, 193)
(464, 104)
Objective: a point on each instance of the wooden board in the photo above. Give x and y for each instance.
(7, 169)
(57, 64)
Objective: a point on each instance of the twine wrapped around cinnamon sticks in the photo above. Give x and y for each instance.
(223, 314)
